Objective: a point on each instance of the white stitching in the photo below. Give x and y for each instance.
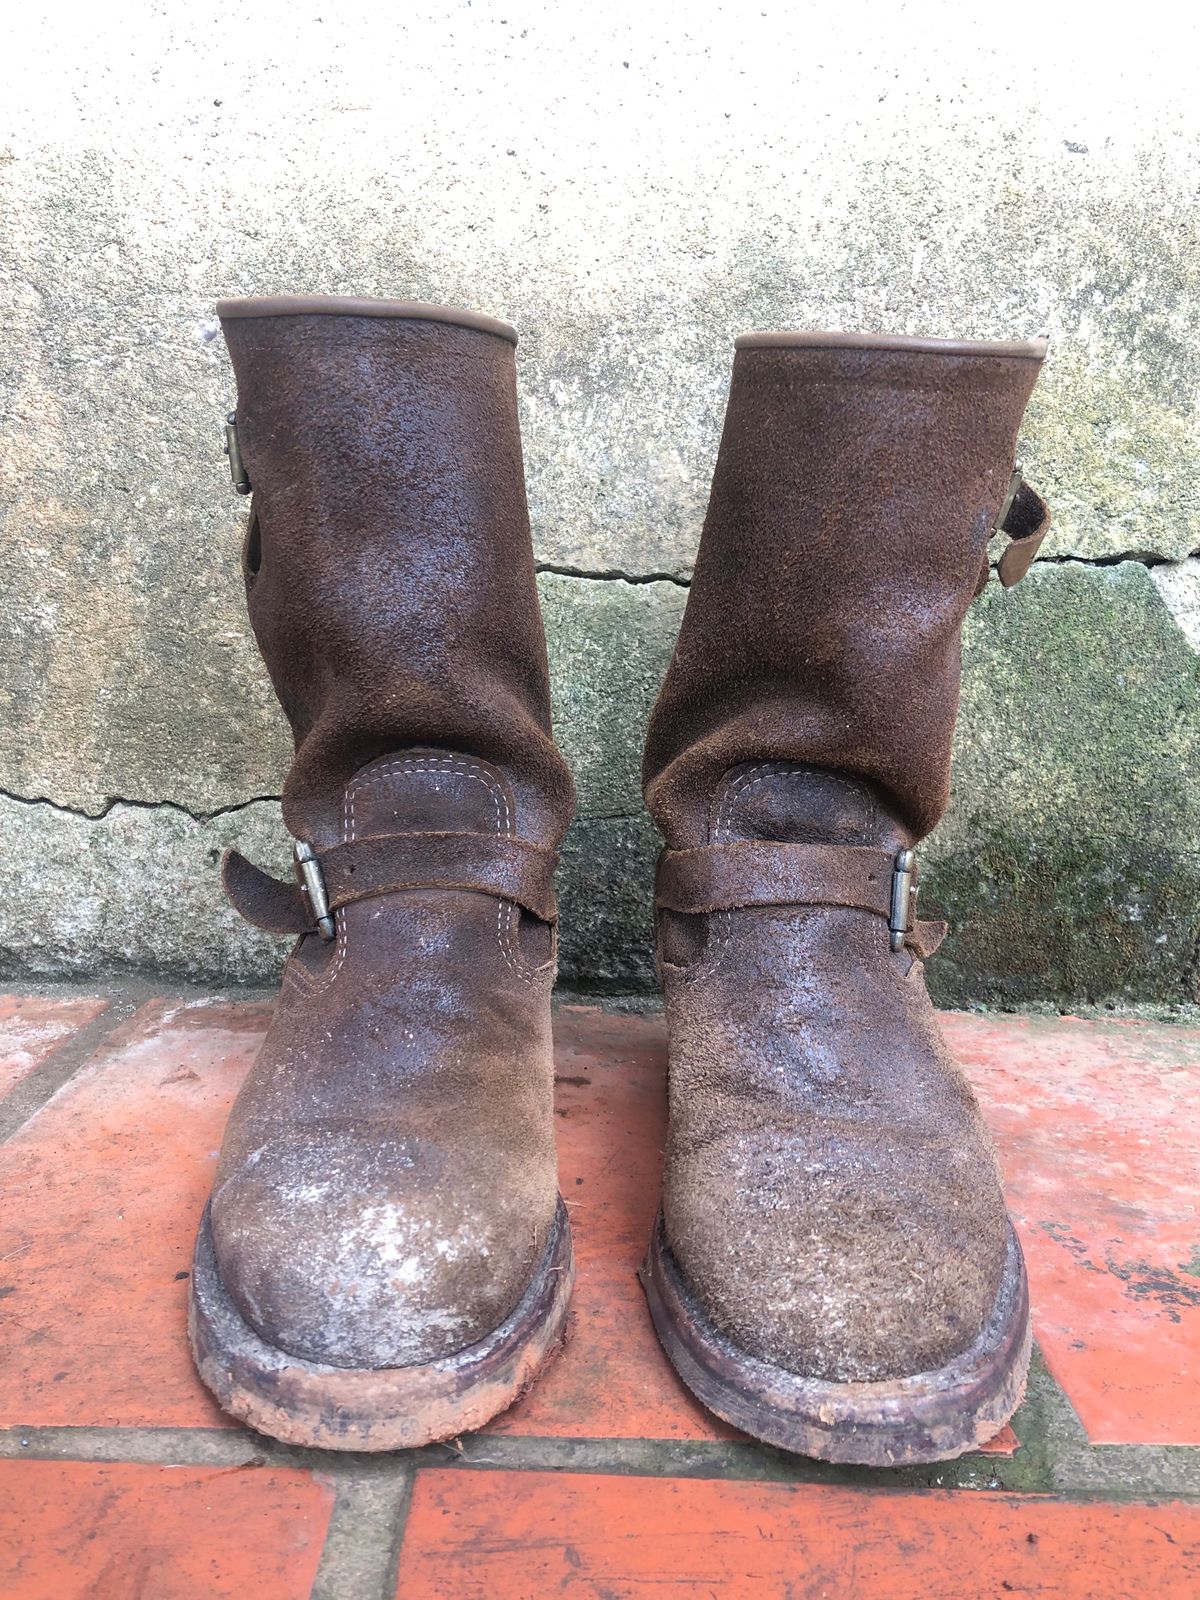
(723, 921)
(505, 909)
(461, 767)
(742, 784)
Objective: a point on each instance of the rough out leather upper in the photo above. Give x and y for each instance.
(387, 1181)
(831, 1195)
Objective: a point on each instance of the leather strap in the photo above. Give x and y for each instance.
(1025, 519)
(727, 877)
(1026, 522)
(273, 906)
(509, 869)
(732, 877)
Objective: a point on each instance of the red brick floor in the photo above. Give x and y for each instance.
(1097, 1129)
(32, 1027)
(122, 1477)
(493, 1535)
(171, 1533)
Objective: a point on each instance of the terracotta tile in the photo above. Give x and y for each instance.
(1004, 1444)
(103, 1188)
(33, 1026)
(1095, 1122)
(100, 1194)
(612, 1380)
(70, 1531)
(492, 1535)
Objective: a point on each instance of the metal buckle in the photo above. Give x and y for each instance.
(904, 893)
(312, 887)
(237, 467)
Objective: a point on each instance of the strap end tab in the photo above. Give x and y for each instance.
(264, 901)
(1026, 521)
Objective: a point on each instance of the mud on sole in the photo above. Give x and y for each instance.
(391, 1408)
(930, 1416)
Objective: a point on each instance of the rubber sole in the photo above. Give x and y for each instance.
(931, 1416)
(391, 1408)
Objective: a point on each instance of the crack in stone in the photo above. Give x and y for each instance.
(612, 575)
(611, 816)
(112, 801)
(1143, 558)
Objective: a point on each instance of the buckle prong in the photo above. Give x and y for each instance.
(903, 893)
(237, 467)
(312, 887)
(1014, 483)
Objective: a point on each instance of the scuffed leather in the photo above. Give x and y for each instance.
(1027, 524)
(830, 1194)
(853, 501)
(265, 902)
(394, 600)
(510, 869)
(732, 877)
(387, 1181)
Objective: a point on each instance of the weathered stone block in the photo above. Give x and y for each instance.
(145, 173)
(135, 890)
(1069, 862)
(609, 646)
(534, 168)
(606, 903)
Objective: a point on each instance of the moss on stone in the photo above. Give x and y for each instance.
(1069, 862)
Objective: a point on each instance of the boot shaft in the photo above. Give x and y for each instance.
(389, 568)
(857, 485)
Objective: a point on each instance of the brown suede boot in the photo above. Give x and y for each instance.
(385, 1260)
(833, 1270)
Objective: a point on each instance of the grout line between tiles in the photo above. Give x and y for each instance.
(361, 1553)
(39, 1087)
(399, 1531)
(1069, 1470)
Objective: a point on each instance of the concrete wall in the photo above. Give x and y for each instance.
(632, 186)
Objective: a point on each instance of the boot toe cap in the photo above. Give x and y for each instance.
(849, 1276)
(374, 1271)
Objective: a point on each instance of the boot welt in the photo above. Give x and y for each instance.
(392, 1408)
(930, 1416)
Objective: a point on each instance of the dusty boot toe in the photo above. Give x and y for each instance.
(828, 1278)
(329, 1254)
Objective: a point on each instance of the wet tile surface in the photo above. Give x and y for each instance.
(100, 1194)
(75, 1531)
(32, 1028)
(1096, 1128)
(611, 1379)
(101, 1190)
(489, 1536)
